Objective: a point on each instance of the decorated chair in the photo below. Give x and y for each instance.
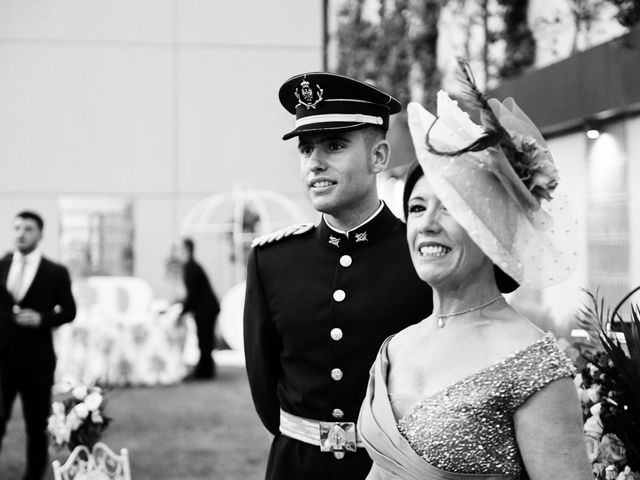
(101, 463)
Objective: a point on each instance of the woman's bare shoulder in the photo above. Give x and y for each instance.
(515, 332)
(399, 341)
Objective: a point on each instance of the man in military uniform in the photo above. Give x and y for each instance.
(321, 298)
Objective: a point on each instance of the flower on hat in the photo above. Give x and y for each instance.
(531, 158)
(529, 174)
(535, 168)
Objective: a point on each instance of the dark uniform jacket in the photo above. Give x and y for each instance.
(318, 306)
(29, 350)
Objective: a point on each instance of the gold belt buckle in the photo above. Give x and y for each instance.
(337, 436)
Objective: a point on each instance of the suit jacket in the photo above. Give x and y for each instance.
(200, 299)
(6, 304)
(309, 347)
(29, 350)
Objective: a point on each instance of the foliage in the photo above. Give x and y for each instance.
(584, 14)
(424, 43)
(509, 46)
(388, 51)
(628, 12)
(356, 37)
(520, 44)
(78, 417)
(397, 49)
(609, 385)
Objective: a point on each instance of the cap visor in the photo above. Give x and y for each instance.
(326, 127)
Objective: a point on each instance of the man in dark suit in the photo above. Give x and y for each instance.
(35, 297)
(5, 315)
(202, 303)
(321, 299)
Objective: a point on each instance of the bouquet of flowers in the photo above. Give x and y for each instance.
(78, 417)
(609, 390)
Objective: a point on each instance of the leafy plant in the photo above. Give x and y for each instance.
(621, 367)
(628, 12)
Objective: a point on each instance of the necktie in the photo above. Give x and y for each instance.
(16, 286)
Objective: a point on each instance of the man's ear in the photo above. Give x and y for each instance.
(380, 156)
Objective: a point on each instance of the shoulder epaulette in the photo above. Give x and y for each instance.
(298, 229)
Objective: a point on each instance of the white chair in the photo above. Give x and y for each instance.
(101, 463)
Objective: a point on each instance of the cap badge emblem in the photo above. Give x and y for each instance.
(308, 96)
(361, 237)
(335, 241)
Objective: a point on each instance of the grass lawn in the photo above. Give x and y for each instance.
(190, 431)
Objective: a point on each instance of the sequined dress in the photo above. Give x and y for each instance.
(463, 431)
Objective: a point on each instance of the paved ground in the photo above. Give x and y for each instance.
(191, 431)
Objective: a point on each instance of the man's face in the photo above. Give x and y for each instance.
(26, 234)
(337, 170)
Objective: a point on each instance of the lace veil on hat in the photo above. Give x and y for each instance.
(500, 194)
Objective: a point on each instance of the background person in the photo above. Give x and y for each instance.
(476, 391)
(35, 297)
(202, 303)
(6, 303)
(321, 298)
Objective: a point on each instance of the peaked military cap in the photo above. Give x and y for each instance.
(328, 102)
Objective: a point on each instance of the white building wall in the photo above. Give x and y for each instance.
(578, 175)
(570, 155)
(633, 142)
(162, 101)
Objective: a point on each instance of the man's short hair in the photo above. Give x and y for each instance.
(189, 245)
(374, 134)
(30, 215)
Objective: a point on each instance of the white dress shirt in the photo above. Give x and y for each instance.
(33, 262)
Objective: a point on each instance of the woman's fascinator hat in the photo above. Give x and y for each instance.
(497, 180)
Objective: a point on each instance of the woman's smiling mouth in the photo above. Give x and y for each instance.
(433, 249)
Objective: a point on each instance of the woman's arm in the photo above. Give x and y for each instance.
(549, 434)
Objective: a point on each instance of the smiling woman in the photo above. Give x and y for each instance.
(442, 251)
(476, 391)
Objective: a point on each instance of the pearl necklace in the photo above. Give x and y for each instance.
(442, 316)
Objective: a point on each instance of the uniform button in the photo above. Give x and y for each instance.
(346, 261)
(339, 295)
(336, 374)
(336, 334)
(337, 413)
(338, 455)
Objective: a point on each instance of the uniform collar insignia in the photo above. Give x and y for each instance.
(308, 95)
(361, 237)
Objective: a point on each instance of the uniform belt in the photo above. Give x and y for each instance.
(337, 437)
